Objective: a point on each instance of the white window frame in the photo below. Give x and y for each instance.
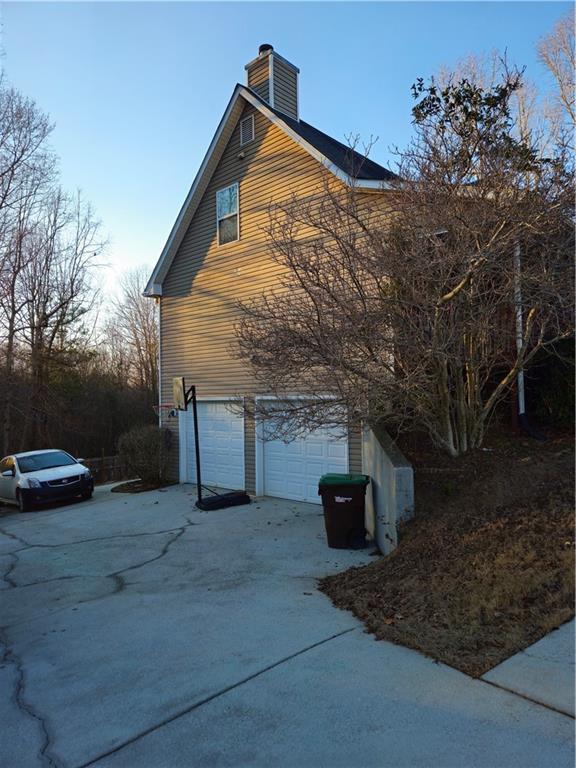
(228, 216)
(251, 119)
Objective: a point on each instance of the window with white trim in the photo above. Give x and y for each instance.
(246, 130)
(227, 214)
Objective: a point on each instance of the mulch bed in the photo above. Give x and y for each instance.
(487, 565)
(138, 486)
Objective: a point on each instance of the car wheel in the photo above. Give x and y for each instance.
(23, 504)
(87, 495)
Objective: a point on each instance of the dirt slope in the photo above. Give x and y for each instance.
(486, 567)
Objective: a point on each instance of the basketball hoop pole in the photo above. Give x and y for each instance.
(192, 393)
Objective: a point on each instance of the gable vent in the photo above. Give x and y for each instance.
(246, 130)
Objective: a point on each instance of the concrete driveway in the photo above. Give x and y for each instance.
(141, 632)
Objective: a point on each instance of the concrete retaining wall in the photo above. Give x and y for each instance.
(390, 496)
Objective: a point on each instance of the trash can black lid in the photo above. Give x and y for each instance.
(336, 479)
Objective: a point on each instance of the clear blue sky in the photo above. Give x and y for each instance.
(136, 90)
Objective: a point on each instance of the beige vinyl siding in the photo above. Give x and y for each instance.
(258, 78)
(285, 89)
(355, 449)
(198, 305)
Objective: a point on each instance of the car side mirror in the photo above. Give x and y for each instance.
(8, 473)
(80, 461)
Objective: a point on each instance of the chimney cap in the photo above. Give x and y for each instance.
(265, 48)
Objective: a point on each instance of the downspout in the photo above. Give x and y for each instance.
(519, 333)
(522, 417)
(158, 302)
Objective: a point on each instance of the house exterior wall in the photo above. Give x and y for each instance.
(198, 306)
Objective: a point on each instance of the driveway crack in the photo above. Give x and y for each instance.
(6, 576)
(28, 545)
(14, 537)
(9, 656)
(118, 576)
(119, 583)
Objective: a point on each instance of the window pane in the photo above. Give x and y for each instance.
(228, 230)
(227, 201)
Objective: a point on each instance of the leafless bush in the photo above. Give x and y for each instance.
(144, 451)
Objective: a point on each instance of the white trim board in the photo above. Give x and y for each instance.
(271, 79)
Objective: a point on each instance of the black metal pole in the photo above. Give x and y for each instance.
(196, 443)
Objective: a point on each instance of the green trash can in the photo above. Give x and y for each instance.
(343, 502)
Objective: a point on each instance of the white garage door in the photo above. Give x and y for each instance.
(292, 470)
(221, 436)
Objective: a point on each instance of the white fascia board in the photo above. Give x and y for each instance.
(163, 263)
(372, 184)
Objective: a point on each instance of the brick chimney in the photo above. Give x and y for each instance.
(275, 80)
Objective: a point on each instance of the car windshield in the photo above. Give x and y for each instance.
(47, 460)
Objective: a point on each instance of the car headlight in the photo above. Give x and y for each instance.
(33, 483)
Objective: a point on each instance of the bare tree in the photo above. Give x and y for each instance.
(556, 52)
(114, 357)
(401, 306)
(26, 171)
(136, 321)
(57, 383)
(57, 292)
(24, 130)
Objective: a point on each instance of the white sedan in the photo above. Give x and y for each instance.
(40, 477)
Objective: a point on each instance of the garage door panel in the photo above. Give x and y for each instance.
(292, 467)
(315, 449)
(292, 449)
(313, 468)
(337, 450)
(276, 466)
(295, 487)
(312, 493)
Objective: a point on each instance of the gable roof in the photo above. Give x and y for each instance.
(347, 165)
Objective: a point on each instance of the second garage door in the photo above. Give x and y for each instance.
(292, 470)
